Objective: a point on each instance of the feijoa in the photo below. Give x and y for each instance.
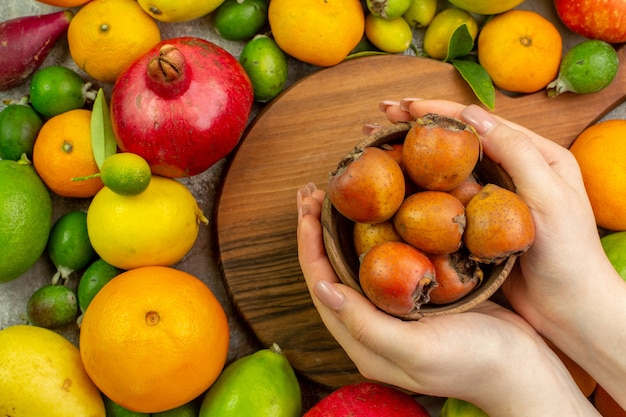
(239, 20)
(266, 65)
(52, 306)
(19, 126)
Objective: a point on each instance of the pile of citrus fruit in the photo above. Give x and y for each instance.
(116, 261)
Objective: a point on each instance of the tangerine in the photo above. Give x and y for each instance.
(160, 317)
(318, 32)
(105, 36)
(63, 151)
(520, 50)
(600, 151)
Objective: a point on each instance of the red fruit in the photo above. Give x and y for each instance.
(183, 106)
(25, 42)
(457, 276)
(432, 221)
(440, 152)
(365, 235)
(396, 277)
(466, 190)
(367, 399)
(594, 19)
(367, 187)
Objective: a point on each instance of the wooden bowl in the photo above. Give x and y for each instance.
(337, 233)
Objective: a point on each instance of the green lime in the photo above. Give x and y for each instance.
(19, 126)
(93, 279)
(388, 9)
(389, 35)
(112, 409)
(191, 409)
(52, 306)
(238, 20)
(57, 89)
(266, 65)
(453, 407)
(126, 173)
(440, 30)
(25, 217)
(587, 67)
(614, 245)
(420, 13)
(69, 247)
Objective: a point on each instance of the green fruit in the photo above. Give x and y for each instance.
(69, 247)
(388, 9)
(420, 13)
(19, 126)
(266, 65)
(442, 27)
(614, 245)
(115, 410)
(52, 306)
(191, 409)
(262, 384)
(93, 279)
(126, 173)
(459, 408)
(25, 218)
(238, 20)
(586, 68)
(389, 35)
(57, 89)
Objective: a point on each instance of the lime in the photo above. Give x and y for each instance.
(19, 126)
(57, 89)
(25, 218)
(191, 409)
(68, 246)
(113, 409)
(266, 65)
(238, 20)
(388, 35)
(93, 279)
(420, 13)
(444, 24)
(453, 407)
(52, 306)
(614, 245)
(126, 173)
(388, 9)
(587, 67)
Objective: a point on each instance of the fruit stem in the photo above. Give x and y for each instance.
(87, 177)
(88, 93)
(168, 72)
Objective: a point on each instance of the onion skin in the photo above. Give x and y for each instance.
(183, 106)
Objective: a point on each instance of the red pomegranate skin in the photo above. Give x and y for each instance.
(367, 399)
(189, 114)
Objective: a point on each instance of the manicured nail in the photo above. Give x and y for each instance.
(382, 106)
(329, 294)
(479, 118)
(405, 103)
(303, 210)
(369, 128)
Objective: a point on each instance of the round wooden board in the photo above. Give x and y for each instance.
(300, 137)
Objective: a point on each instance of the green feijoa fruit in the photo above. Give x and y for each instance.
(191, 409)
(19, 126)
(388, 9)
(57, 89)
(239, 20)
(69, 247)
(266, 65)
(52, 306)
(93, 279)
(453, 407)
(587, 67)
(113, 409)
(261, 384)
(614, 245)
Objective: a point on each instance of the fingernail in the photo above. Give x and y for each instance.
(479, 118)
(382, 106)
(329, 295)
(303, 210)
(369, 128)
(405, 103)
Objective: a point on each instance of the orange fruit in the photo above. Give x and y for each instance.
(63, 151)
(318, 32)
(106, 36)
(520, 50)
(154, 338)
(600, 151)
(64, 3)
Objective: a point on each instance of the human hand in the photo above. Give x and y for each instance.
(473, 356)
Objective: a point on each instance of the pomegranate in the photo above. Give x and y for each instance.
(183, 106)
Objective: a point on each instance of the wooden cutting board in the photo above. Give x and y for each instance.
(300, 137)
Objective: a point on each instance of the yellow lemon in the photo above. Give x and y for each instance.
(389, 35)
(178, 10)
(41, 374)
(156, 227)
(486, 6)
(438, 33)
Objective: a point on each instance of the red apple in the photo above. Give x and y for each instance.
(594, 19)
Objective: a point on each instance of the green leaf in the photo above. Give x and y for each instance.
(102, 137)
(478, 80)
(461, 43)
